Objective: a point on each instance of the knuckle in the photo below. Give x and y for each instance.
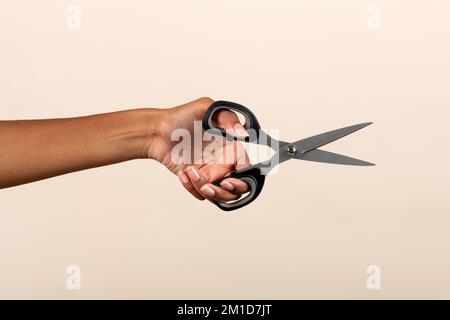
(194, 193)
(205, 100)
(188, 186)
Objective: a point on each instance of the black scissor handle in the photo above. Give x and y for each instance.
(255, 181)
(251, 123)
(251, 175)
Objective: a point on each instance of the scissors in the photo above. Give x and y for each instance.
(304, 149)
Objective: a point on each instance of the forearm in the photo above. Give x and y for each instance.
(32, 150)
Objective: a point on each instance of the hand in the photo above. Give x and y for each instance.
(33, 150)
(198, 178)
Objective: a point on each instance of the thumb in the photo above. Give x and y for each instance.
(229, 121)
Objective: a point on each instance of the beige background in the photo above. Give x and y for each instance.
(302, 66)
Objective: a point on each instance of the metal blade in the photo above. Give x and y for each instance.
(318, 155)
(322, 139)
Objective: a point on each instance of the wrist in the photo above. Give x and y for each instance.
(139, 127)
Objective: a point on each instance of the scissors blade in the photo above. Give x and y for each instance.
(318, 155)
(322, 139)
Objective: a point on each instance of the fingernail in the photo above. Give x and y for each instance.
(226, 185)
(240, 130)
(183, 177)
(231, 132)
(193, 174)
(208, 191)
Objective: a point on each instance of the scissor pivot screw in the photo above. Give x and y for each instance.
(291, 150)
